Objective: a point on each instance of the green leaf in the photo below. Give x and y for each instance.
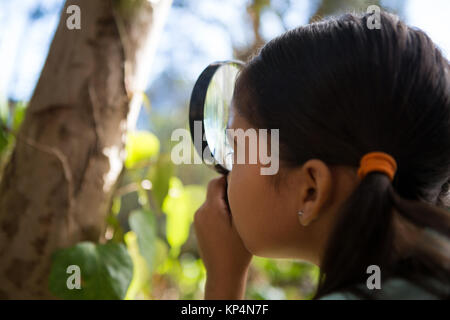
(141, 146)
(159, 176)
(142, 222)
(106, 271)
(196, 195)
(180, 205)
(140, 284)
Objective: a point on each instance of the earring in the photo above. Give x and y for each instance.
(300, 215)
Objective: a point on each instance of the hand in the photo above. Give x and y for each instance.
(224, 255)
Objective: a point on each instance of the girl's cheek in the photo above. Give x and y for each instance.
(242, 195)
(237, 193)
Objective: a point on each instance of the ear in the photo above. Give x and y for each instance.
(314, 191)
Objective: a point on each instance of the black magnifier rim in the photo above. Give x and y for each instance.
(197, 106)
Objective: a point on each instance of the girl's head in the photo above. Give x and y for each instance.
(337, 90)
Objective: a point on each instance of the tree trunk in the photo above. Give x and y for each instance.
(56, 189)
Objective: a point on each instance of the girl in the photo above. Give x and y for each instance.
(364, 127)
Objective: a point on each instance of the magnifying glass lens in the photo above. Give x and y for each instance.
(216, 114)
(210, 104)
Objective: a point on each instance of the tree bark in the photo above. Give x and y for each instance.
(57, 186)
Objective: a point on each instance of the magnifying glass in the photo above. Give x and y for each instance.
(209, 113)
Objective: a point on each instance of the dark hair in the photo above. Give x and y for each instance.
(337, 90)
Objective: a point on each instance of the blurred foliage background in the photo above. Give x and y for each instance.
(149, 249)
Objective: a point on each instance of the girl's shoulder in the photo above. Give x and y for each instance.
(395, 288)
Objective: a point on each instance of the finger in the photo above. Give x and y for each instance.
(216, 187)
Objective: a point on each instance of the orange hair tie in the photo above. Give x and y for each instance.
(377, 161)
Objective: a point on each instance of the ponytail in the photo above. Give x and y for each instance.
(423, 214)
(372, 238)
(365, 220)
